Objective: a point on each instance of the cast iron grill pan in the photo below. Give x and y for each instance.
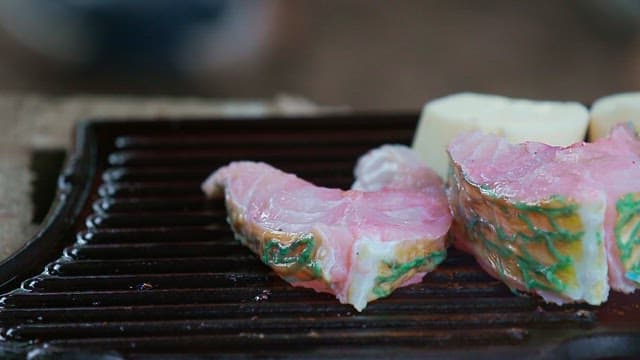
(145, 265)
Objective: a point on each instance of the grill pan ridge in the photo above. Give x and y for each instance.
(139, 264)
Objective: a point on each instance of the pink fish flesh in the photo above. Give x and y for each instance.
(395, 167)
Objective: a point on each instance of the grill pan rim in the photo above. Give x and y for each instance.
(73, 189)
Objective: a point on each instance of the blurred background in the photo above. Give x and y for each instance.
(371, 55)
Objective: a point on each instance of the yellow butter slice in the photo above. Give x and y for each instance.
(519, 120)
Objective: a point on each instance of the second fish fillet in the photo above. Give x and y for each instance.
(563, 222)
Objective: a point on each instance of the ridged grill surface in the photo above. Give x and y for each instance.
(153, 266)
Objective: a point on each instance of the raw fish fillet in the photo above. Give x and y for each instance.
(563, 222)
(357, 245)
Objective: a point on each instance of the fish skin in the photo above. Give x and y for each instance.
(357, 245)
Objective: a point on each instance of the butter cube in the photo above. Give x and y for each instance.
(613, 109)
